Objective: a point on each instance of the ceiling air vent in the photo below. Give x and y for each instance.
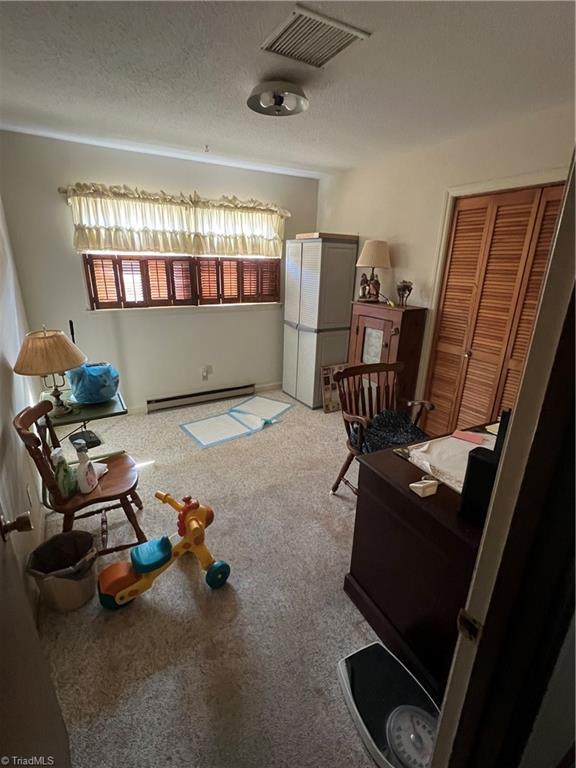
(311, 38)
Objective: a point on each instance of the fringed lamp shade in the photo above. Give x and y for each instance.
(45, 352)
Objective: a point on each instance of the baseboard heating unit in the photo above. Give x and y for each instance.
(195, 398)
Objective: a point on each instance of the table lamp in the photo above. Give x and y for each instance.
(375, 254)
(49, 353)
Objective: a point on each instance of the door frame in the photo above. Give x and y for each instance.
(496, 583)
(548, 177)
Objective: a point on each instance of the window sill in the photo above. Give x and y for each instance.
(246, 307)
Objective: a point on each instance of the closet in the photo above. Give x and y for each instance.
(497, 258)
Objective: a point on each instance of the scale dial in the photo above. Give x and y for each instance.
(411, 732)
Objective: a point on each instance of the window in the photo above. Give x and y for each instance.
(116, 282)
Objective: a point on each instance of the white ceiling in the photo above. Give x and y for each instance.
(177, 75)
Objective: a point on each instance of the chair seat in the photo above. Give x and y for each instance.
(151, 555)
(121, 478)
(389, 429)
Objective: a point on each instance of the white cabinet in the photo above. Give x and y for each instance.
(314, 351)
(290, 360)
(292, 281)
(319, 289)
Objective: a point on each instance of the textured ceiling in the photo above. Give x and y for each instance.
(177, 75)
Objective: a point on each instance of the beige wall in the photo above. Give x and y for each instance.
(16, 392)
(402, 197)
(159, 352)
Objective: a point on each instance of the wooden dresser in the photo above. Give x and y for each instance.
(383, 334)
(412, 562)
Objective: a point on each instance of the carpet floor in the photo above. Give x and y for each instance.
(244, 676)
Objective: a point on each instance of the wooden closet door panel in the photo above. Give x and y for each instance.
(507, 252)
(469, 231)
(443, 387)
(529, 299)
(512, 222)
(478, 393)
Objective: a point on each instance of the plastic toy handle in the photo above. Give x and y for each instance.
(165, 498)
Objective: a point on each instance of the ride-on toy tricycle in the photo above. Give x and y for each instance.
(120, 583)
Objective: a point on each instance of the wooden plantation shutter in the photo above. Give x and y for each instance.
(464, 257)
(529, 298)
(183, 283)
(260, 280)
(208, 282)
(249, 281)
(158, 281)
(229, 281)
(269, 280)
(102, 282)
(234, 280)
(138, 281)
(132, 283)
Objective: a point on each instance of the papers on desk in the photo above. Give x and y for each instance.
(446, 458)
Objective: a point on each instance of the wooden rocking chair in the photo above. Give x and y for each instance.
(374, 416)
(116, 489)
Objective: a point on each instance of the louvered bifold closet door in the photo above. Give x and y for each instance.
(467, 242)
(511, 223)
(529, 298)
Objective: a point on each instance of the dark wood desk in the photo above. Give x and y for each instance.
(412, 562)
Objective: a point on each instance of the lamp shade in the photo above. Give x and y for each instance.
(375, 253)
(44, 352)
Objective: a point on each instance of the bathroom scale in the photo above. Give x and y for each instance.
(394, 714)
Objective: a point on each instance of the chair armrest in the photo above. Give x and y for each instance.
(424, 403)
(421, 405)
(101, 456)
(361, 422)
(351, 418)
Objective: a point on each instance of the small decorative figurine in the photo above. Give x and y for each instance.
(362, 296)
(404, 288)
(374, 289)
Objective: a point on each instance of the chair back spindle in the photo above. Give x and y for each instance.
(38, 445)
(366, 390)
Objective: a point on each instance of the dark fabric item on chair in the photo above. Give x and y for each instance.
(387, 430)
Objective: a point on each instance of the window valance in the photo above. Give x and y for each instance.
(122, 219)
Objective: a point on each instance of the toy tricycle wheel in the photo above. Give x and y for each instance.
(217, 574)
(109, 602)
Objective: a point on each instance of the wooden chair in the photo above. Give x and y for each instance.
(116, 489)
(374, 416)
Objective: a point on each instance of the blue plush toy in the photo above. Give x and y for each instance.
(93, 382)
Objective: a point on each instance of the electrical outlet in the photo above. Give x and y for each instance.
(206, 371)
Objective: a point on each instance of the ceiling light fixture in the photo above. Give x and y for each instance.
(278, 98)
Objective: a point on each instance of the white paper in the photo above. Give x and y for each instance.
(254, 423)
(216, 429)
(264, 407)
(446, 458)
